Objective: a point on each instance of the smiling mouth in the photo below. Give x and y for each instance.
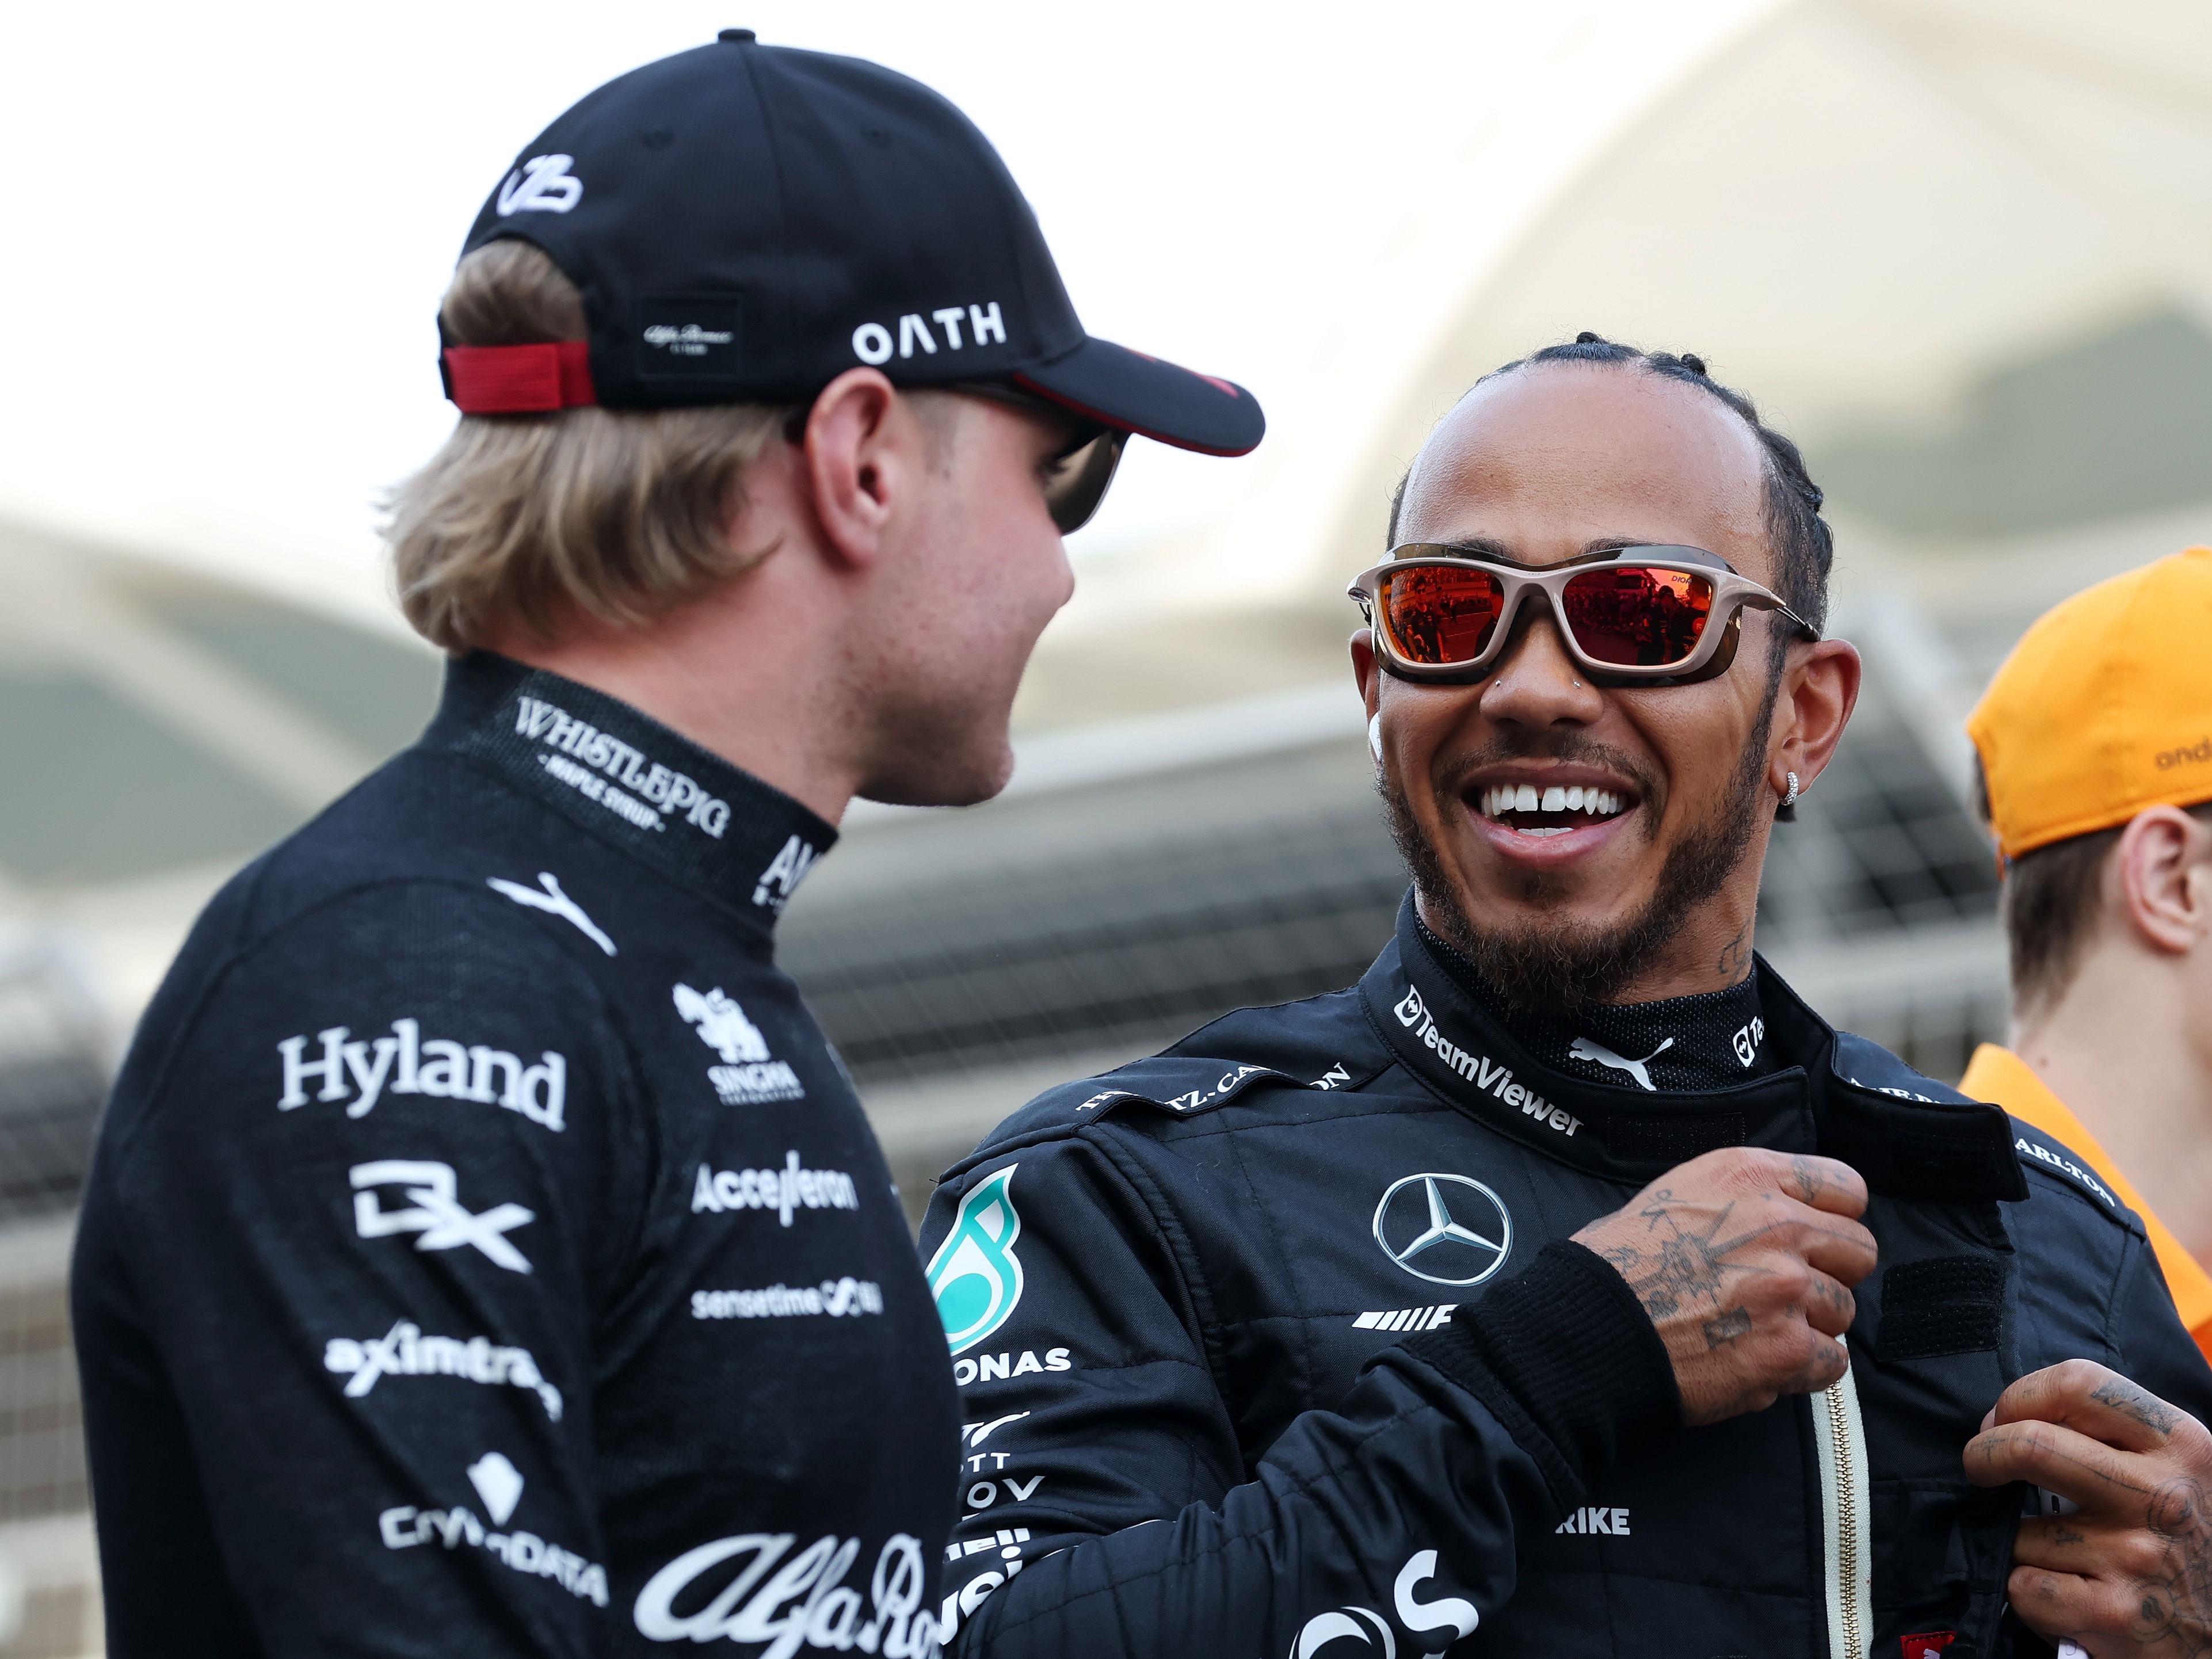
(1529, 810)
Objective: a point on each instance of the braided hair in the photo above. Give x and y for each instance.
(1805, 546)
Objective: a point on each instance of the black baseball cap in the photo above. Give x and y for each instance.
(745, 223)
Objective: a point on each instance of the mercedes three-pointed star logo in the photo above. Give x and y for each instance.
(1459, 1239)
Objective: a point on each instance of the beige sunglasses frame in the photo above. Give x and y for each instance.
(1714, 651)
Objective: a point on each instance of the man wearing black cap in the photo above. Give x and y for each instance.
(485, 1252)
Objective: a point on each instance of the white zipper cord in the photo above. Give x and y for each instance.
(1840, 1439)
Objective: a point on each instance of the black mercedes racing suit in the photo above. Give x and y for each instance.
(1275, 1344)
(485, 1252)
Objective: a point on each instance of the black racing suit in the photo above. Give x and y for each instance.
(1275, 1343)
(485, 1253)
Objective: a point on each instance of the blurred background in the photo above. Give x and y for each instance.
(1961, 248)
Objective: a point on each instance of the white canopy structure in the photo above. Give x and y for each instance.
(1865, 211)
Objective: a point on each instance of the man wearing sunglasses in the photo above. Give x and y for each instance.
(485, 1253)
(1567, 1286)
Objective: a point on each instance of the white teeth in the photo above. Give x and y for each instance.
(1505, 798)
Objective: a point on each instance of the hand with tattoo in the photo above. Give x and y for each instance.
(1744, 1259)
(2130, 1573)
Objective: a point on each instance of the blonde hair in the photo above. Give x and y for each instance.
(622, 515)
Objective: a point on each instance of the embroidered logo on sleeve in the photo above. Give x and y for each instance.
(364, 1072)
(749, 1075)
(975, 1275)
(2065, 1166)
(499, 1487)
(553, 903)
(434, 1211)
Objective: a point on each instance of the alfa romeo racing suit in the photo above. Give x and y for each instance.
(485, 1253)
(1276, 1343)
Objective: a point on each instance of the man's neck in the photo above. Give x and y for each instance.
(2117, 1049)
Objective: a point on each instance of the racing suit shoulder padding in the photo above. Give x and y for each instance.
(1866, 1066)
(1321, 1042)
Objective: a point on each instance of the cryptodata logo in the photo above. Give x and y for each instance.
(975, 1275)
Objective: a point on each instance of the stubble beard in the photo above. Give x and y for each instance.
(1562, 965)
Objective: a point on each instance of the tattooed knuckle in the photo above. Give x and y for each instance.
(2176, 1509)
(1838, 1309)
(2025, 1444)
(2123, 1609)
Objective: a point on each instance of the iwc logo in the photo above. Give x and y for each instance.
(1447, 1229)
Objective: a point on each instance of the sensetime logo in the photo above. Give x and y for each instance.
(975, 1275)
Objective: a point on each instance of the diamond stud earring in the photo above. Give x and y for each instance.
(1790, 800)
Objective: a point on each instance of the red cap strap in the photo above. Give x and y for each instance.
(521, 379)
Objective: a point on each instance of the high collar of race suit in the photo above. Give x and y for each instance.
(633, 782)
(1631, 1090)
(1682, 1045)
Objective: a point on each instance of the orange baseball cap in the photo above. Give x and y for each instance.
(2104, 708)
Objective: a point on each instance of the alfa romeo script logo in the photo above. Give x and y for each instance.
(1447, 1229)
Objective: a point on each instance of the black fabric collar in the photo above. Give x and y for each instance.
(1910, 1148)
(631, 781)
(1683, 1044)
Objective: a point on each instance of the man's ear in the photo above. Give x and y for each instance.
(2164, 867)
(1820, 688)
(861, 454)
(1365, 671)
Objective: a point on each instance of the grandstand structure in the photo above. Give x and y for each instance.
(1963, 249)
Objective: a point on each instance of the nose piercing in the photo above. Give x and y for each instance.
(1790, 800)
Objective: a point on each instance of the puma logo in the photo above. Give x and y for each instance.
(553, 903)
(1583, 1049)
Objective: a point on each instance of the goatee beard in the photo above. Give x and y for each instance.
(1561, 965)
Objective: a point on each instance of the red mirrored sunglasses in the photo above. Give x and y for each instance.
(1630, 615)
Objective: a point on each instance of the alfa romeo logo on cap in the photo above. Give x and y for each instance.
(1447, 1229)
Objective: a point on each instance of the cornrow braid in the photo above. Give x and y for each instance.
(1805, 546)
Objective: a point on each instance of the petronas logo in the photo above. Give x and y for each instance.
(975, 1275)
